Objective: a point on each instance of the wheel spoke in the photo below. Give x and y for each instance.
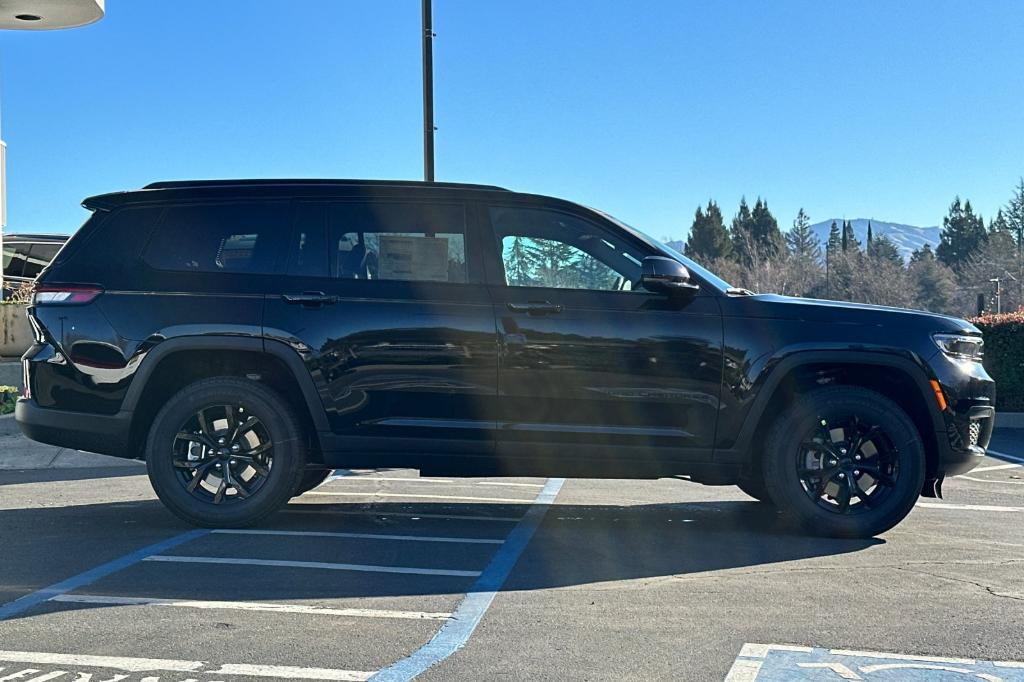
(244, 427)
(844, 497)
(863, 438)
(260, 449)
(217, 498)
(237, 484)
(204, 426)
(877, 474)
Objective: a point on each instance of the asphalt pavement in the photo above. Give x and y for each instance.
(383, 575)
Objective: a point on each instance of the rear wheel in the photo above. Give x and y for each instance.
(845, 461)
(225, 452)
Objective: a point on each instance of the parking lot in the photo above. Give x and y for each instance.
(380, 574)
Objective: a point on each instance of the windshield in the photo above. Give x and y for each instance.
(701, 272)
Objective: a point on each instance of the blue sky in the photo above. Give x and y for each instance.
(643, 109)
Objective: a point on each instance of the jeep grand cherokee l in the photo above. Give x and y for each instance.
(245, 337)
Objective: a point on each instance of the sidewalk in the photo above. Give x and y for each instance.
(18, 452)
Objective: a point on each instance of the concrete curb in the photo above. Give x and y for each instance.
(1010, 420)
(20, 453)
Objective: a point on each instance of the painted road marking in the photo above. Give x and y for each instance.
(969, 507)
(327, 509)
(995, 468)
(784, 663)
(464, 498)
(88, 577)
(141, 665)
(448, 481)
(988, 480)
(248, 606)
(454, 634)
(363, 536)
(363, 568)
(1003, 455)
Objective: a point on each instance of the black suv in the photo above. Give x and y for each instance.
(245, 337)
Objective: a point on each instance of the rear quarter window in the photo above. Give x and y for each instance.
(242, 237)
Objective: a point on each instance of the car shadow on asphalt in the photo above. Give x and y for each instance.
(575, 545)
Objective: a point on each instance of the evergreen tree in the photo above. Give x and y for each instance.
(870, 237)
(708, 240)
(834, 239)
(551, 262)
(767, 236)
(934, 283)
(517, 264)
(884, 249)
(801, 240)
(998, 224)
(850, 243)
(742, 234)
(963, 233)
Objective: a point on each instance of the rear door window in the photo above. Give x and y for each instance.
(398, 241)
(243, 237)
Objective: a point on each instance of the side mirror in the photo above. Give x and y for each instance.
(666, 276)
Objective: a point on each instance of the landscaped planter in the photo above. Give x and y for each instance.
(15, 331)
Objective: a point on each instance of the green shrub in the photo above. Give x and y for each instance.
(1004, 357)
(8, 396)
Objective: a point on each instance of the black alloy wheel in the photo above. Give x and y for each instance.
(223, 455)
(225, 452)
(844, 461)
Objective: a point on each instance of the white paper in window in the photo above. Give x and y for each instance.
(413, 258)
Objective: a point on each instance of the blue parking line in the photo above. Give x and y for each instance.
(457, 631)
(92, 575)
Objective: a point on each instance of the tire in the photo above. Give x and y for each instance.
(311, 478)
(844, 442)
(257, 446)
(756, 488)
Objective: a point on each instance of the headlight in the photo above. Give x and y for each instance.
(959, 346)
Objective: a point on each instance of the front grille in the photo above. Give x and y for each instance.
(975, 432)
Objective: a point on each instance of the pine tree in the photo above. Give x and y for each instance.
(963, 233)
(708, 239)
(742, 235)
(850, 243)
(835, 241)
(767, 236)
(884, 249)
(801, 240)
(870, 236)
(998, 224)
(517, 264)
(551, 262)
(934, 283)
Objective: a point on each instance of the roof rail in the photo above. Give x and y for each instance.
(175, 184)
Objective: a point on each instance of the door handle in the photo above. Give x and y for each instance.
(535, 308)
(310, 299)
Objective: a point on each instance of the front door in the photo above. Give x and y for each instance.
(594, 369)
(384, 299)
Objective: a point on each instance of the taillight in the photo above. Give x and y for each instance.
(64, 295)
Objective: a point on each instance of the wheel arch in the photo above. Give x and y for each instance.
(899, 378)
(172, 364)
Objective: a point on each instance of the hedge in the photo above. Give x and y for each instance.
(1004, 357)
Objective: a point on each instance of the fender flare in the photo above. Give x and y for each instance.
(291, 359)
(778, 368)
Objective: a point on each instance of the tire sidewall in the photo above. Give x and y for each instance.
(833, 404)
(277, 418)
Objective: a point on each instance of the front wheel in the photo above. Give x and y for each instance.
(845, 461)
(225, 452)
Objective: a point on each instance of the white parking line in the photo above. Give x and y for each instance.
(969, 507)
(447, 481)
(995, 468)
(413, 515)
(303, 609)
(371, 493)
(362, 568)
(142, 665)
(988, 480)
(362, 536)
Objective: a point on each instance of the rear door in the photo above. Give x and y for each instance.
(595, 371)
(384, 299)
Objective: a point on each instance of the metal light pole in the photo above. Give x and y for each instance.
(428, 92)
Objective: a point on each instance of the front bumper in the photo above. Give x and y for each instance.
(969, 418)
(103, 434)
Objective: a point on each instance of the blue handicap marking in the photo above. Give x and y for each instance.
(787, 663)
